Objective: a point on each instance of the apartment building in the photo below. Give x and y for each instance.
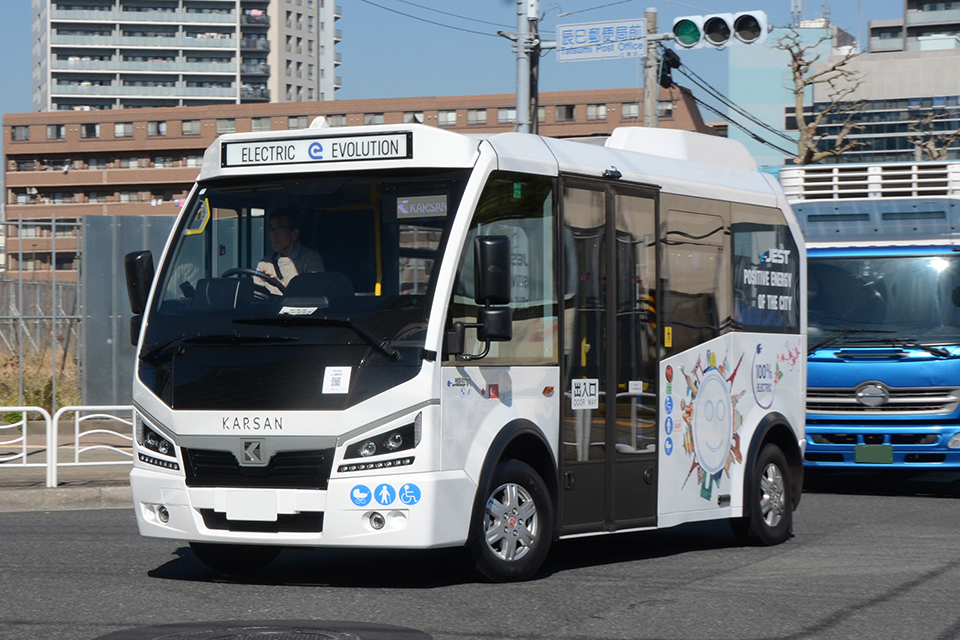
(93, 55)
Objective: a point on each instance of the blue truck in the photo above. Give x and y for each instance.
(883, 370)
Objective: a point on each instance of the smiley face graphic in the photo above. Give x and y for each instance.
(712, 422)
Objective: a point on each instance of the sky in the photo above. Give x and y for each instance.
(408, 48)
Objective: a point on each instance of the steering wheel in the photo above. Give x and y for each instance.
(242, 271)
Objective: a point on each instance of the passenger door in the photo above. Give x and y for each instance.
(609, 374)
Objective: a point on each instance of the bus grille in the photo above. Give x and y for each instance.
(286, 470)
(903, 400)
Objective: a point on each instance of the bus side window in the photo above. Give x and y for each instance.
(696, 276)
(520, 207)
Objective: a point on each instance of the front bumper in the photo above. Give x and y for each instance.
(420, 510)
(838, 445)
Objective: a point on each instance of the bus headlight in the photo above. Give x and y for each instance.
(399, 439)
(954, 442)
(150, 439)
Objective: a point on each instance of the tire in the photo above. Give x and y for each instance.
(513, 528)
(234, 558)
(768, 505)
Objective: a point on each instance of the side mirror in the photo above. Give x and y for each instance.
(491, 287)
(492, 270)
(138, 268)
(135, 323)
(496, 325)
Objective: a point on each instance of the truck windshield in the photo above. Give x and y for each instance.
(884, 300)
(296, 276)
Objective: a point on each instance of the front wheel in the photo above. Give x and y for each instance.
(512, 536)
(234, 558)
(769, 508)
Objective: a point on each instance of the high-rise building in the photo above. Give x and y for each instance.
(116, 54)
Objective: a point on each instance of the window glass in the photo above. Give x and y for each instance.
(20, 133)
(477, 116)
(447, 118)
(191, 127)
(696, 271)
(122, 129)
(520, 207)
(226, 125)
(766, 271)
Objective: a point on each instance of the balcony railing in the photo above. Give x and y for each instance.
(255, 21)
(259, 69)
(255, 44)
(248, 93)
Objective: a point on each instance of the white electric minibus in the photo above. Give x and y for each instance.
(491, 342)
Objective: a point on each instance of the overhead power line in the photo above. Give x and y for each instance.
(439, 24)
(750, 133)
(454, 15)
(703, 84)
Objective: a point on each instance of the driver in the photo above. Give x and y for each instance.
(289, 257)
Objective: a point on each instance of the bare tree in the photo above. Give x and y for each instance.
(840, 83)
(929, 142)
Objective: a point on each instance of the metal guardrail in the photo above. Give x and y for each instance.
(96, 446)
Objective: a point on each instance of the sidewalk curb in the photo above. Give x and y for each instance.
(65, 499)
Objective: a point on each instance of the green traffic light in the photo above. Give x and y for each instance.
(687, 33)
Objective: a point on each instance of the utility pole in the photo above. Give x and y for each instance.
(523, 62)
(651, 70)
(527, 46)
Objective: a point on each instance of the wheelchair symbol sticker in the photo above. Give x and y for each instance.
(409, 494)
(360, 495)
(384, 494)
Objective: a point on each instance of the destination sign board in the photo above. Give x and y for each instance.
(388, 146)
(602, 40)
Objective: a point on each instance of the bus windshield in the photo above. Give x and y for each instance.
(302, 273)
(884, 300)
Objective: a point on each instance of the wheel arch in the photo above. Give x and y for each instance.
(775, 428)
(518, 440)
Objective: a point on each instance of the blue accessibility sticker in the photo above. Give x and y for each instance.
(668, 446)
(409, 494)
(384, 494)
(360, 495)
(668, 404)
(668, 425)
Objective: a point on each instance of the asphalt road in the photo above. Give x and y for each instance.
(882, 563)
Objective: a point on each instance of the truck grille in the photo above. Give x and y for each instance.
(286, 470)
(903, 400)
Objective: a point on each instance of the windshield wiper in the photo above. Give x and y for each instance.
(381, 345)
(151, 353)
(840, 335)
(940, 352)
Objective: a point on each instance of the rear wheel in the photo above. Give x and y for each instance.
(234, 558)
(512, 536)
(769, 511)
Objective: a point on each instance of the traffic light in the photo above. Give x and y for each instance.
(669, 61)
(720, 29)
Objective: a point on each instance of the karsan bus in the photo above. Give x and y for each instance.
(489, 342)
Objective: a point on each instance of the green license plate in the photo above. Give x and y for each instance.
(873, 454)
